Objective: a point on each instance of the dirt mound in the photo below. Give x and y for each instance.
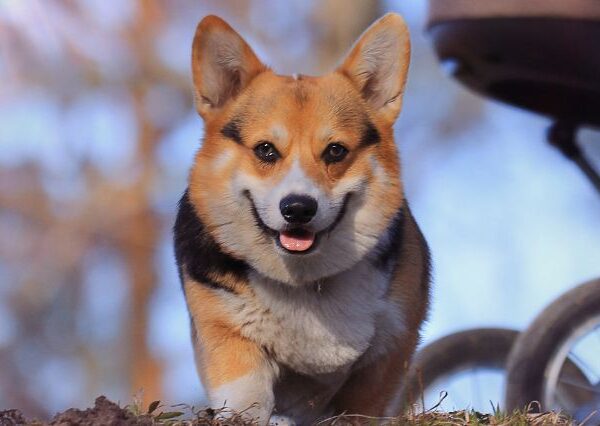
(11, 418)
(104, 412)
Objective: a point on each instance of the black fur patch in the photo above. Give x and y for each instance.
(199, 253)
(388, 253)
(370, 135)
(426, 277)
(232, 131)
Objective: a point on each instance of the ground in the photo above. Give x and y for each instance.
(108, 413)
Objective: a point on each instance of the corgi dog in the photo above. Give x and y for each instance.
(305, 274)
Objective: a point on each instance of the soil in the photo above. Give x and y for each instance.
(104, 412)
(107, 413)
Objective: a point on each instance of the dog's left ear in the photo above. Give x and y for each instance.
(378, 64)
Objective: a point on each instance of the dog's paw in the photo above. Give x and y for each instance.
(279, 420)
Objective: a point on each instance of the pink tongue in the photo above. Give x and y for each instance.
(295, 242)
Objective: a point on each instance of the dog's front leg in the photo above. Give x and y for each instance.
(235, 371)
(249, 395)
(237, 375)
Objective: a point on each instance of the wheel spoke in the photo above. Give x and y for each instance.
(597, 333)
(579, 385)
(583, 365)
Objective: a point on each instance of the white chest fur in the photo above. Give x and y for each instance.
(320, 329)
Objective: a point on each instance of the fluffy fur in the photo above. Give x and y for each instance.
(330, 329)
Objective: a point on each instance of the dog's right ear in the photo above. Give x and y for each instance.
(222, 65)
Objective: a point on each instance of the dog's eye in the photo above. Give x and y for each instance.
(334, 153)
(266, 151)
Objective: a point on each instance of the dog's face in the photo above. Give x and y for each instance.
(298, 175)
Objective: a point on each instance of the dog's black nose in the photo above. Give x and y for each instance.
(298, 208)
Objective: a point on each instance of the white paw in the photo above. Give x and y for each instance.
(278, 420)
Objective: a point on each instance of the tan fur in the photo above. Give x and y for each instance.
(301, 117)
(228, 354)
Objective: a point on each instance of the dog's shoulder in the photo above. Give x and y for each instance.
(411, 277)
(199, 257)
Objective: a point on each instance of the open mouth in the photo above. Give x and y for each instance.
(296, 240)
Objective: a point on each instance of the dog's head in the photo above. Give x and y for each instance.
(298, 175)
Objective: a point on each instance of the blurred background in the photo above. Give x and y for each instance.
(98, 131)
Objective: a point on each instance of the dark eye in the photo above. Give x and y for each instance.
(266, 151)
(334, 153)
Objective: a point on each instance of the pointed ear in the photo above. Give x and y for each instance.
(222, 64)
(378, 64)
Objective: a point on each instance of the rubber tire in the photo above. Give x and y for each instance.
(536, 346)
(485, 347)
